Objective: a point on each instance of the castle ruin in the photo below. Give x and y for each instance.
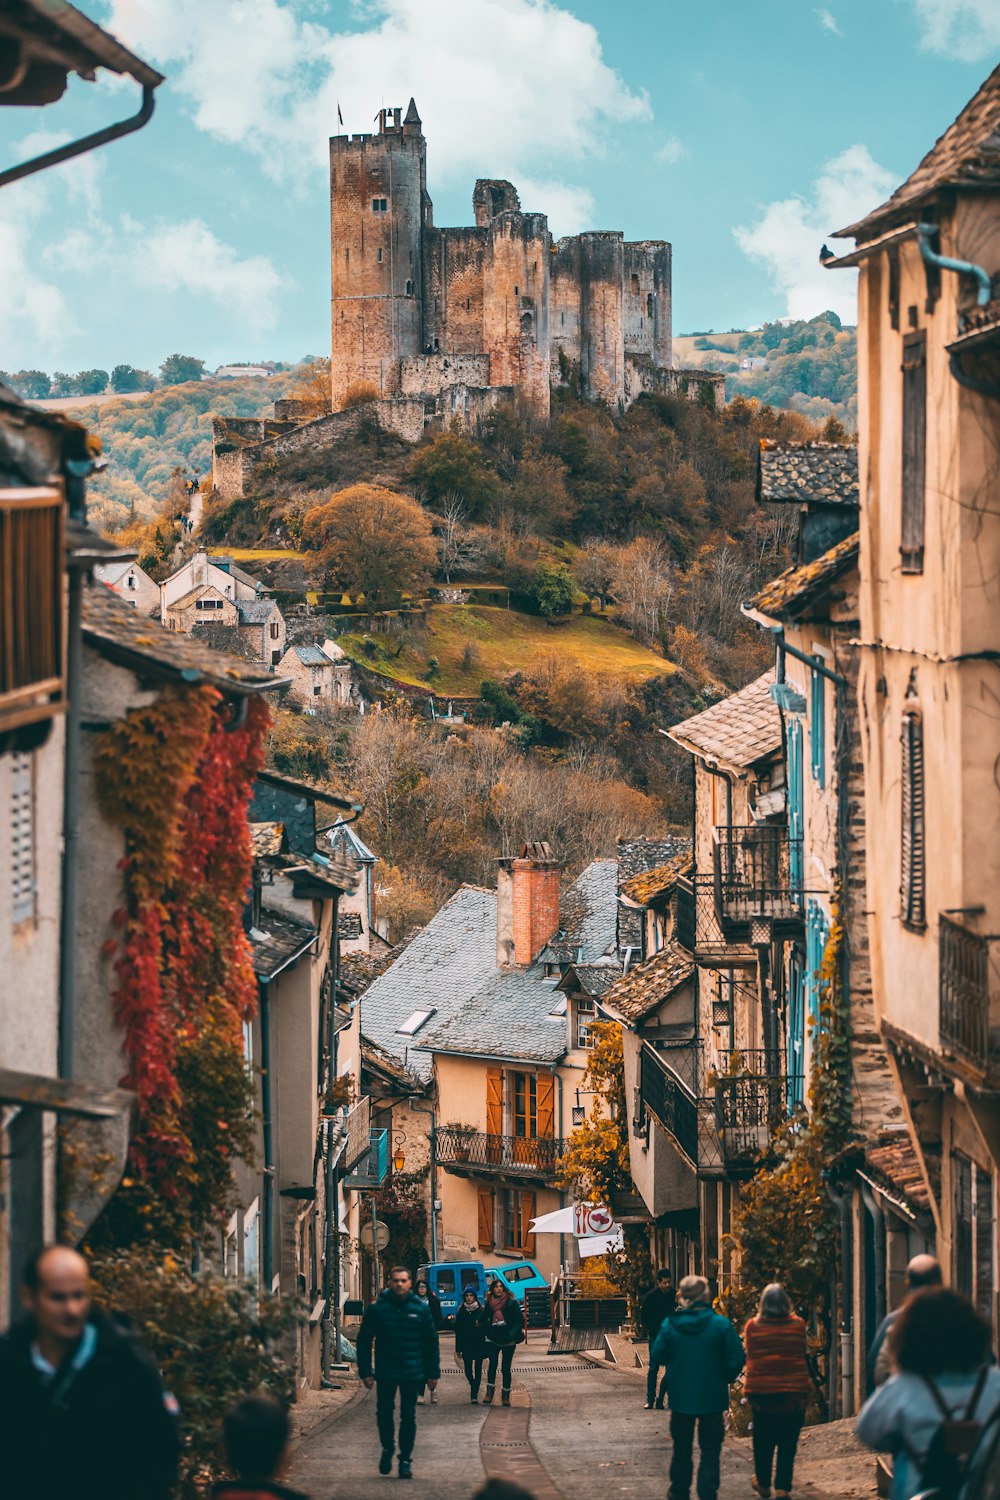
(442, 325)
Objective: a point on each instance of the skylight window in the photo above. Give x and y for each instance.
(559, 1009)
(414, 1021)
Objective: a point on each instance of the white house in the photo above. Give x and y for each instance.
(132, 584)
(202, 571)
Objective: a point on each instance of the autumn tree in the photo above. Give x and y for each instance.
(374, 542)
(177, 369)
(311, 387)
(451, 467)
(643, 582)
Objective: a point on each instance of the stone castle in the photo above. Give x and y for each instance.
(440, 326)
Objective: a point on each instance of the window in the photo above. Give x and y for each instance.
(914, 451)
(586, 1012)
(378, 255)
(912, 882)
(380, 205)
(22, 835)
(414, 1021)
(131, 580)
(649, 305)
(559, 1008)
(524, 1105)
(817, 728)
(445, 1283)
(248, 1044)
(317, 689)
(817, 931)
(515, 1212)
(635, 286)
(795, 801)
(274, 630)
(251, 1242)
(468, 304)
(972, 1192)
(517, 291)
(409, 288)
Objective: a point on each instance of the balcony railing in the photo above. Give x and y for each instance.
(748, 1110)
(479, 1153)
(370, 1171)
(757, 872)
(964, 968)
(669, 1101)
(700, 929)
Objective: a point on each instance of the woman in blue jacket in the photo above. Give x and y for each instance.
(470, 1344)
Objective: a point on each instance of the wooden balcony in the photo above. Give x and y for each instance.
(965, 986)
(511, 1157)
(32, 669)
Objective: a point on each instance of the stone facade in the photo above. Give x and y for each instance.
(319, 674)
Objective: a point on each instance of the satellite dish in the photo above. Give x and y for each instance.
(381, 1234)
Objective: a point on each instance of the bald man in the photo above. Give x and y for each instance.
(83, 1408)
(922, 1271)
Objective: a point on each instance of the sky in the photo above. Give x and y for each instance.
(743, 131)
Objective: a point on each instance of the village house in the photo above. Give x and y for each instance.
(132, 584)
(204, 572)
(927, 645)
(358, 920)
(319, 674)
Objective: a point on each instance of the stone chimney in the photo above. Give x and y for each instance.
(527, 904)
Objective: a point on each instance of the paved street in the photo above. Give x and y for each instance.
(574, 1430)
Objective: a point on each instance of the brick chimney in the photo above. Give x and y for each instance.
(527, 904)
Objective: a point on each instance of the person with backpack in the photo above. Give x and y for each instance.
(777, 1385)
(502, 1323)
(934, 1412)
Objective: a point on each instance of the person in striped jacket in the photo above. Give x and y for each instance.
(777, 1386)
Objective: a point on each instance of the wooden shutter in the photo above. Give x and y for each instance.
(494, 1101)
(527, 1214)
(912, 883)
(914, 451)
(545, 1112)
(486, 1217)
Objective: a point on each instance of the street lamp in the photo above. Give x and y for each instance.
(398, 1155)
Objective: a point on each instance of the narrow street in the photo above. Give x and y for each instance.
(573, 1429)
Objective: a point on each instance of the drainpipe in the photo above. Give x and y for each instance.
(88, 142)
(331, 1251)
(420, 1110)
(71, 825)
(984, 294)
(266, 1100)
(562, 1194)
(842, 1202)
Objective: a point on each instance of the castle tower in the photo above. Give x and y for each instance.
(378, 209)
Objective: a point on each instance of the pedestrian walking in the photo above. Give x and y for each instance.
(84, 1409)
(931, 1414)
(657, 1305)
(257, 1432)
(470, 1342)
(503, 1328)
(425, 1294)
(777, 1385)
(703, 1356)
(922, 1272)
(406, 1354)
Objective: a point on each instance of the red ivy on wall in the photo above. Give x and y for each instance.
(176, 778)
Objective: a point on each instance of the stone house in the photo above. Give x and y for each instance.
(131, 583)
(202, 571)
(318, 674)
(358, 929)
(261, 626)
(203, 605)
(927, 646)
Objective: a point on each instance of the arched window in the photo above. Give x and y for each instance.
(649, 304)
(409, 288)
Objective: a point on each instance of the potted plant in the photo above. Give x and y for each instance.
(339, 1095)
(462, 1136)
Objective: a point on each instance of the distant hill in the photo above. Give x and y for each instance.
(809, 367)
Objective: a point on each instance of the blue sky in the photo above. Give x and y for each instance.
(744, 131)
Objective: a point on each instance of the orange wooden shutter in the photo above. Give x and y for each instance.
(486, 1217)
(545, 1101)
(494, 1101)
(527, 1214)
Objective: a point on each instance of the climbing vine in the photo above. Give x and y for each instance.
(786, 1228)
(175, 776)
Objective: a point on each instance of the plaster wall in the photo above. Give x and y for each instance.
(198, 571)
(134, 586)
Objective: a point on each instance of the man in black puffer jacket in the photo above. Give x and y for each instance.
(401, 1327)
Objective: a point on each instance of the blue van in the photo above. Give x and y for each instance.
(448, 1278)
(518, 1276)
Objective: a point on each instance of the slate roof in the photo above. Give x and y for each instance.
(255, 611)
(312, 656)
(194, 594)
(737, 732)
(441, 967)
(266, 839)
(593, 979)
(635, 856)
(808, 471)
(342, 838)
(111, 572)
(587, 915)
(508, 1017)
(357, 971)
(349, 925)
(381, 1062)
(226, 565)
(651, 884)
(796, 588)
(966, 155)
(277, 942)
(114, 629)
(646, 986)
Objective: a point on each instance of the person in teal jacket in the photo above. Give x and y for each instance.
(703, 1355)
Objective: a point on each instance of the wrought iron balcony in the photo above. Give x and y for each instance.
(748, 1110)
(964, 969)
(477, 1153)
(759, 877)
(669, 1101)
(371, 1169)
(700, 929)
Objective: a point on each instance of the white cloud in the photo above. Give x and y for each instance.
(517, 88)
(787, 238)
(189, 258)
(828, 21)
(966, 30)
(671, 151)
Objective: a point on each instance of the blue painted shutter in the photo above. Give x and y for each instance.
(817, 729)
(795, 802)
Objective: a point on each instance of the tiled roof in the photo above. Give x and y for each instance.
(737, 732)
(797, 587)
(255, 611)
(277, 942)
(634, 857)
(966, 155)
(646, 887)
(645, 987)
(333, 872)
(509, 1016)
(440, 968)
(357, 971)
(266, 839)
(382, 1062)
(587, 916)
(594, 979)
(342, 838)
(349, 925)
(117, 631)
(312, 656)
(808, 471)
(895, 1162)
